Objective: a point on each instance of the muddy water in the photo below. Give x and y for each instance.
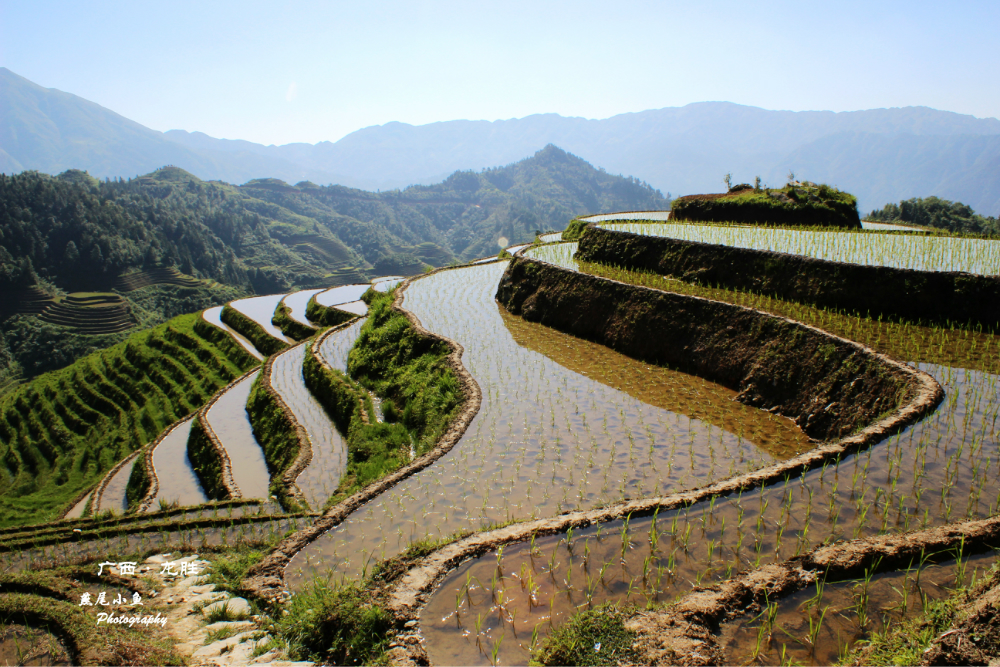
(546, 439)
(31, 645)
(906, 251)
(945, 468)
(229, 419)
(297, 303)
(343, 294)
(817, 625)
(322, 476)
(113, 497)
(77, 510)
(177, 480)
(260, 309)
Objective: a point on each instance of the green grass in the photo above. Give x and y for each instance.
(574, 230)
(277, 437)
(61, 432)
(593, 637)
(342, 625)
(407, 370)
(265, 343)
(326, 316)
(795, 205)
(205, 461)
(421, 395)
(291, 328)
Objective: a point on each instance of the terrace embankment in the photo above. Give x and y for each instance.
(686, 632)
(829, 386)
(934, 296)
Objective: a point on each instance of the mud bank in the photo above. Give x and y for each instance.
(930, 296)
(266, 580)
(828, 386)
(684, 633)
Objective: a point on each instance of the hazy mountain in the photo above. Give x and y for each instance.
(881, 155)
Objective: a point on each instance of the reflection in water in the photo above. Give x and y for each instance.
(77, 510)
(322, 476)
(260, 309)
(944, 468)
(297, 303)
(356, 307)
(661, 387)
(214, 315)
(342, 294)
(229, 419)
(545, 440)
(113, 497)
(178, 482)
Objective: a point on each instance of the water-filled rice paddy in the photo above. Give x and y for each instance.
(550, 238)
(546, 438)
(904, 251)
(942, 469)
(627, 215)
(386, 283)
(297, 302)
(357, 307)
(228, 418)
(114, 493)
(76, 511)
(260, 309)
(214, 316)
(177, 481)
(342, 294)
(320, 478)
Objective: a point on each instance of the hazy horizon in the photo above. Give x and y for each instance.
(313, 71)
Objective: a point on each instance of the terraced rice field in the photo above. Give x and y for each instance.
(297, 303)
(178, 483)
(229, 419)
(261, 309)
(942, 469)
(903, 251)
(340, 295)
(90, 313)
(547, 438)
(213, 317)
(113, 497)
(320, 479)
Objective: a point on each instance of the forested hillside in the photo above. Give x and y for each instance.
(84, 262)
(940, 213)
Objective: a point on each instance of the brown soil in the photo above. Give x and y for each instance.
(684, 632)
(827, 385)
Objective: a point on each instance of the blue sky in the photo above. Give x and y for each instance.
(314, 71)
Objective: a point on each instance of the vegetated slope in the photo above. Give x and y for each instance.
(466, 215)
(878, 154)
(939, 213)
(62, 431)
(805, 204)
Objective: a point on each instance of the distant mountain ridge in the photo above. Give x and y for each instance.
(880, 155)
